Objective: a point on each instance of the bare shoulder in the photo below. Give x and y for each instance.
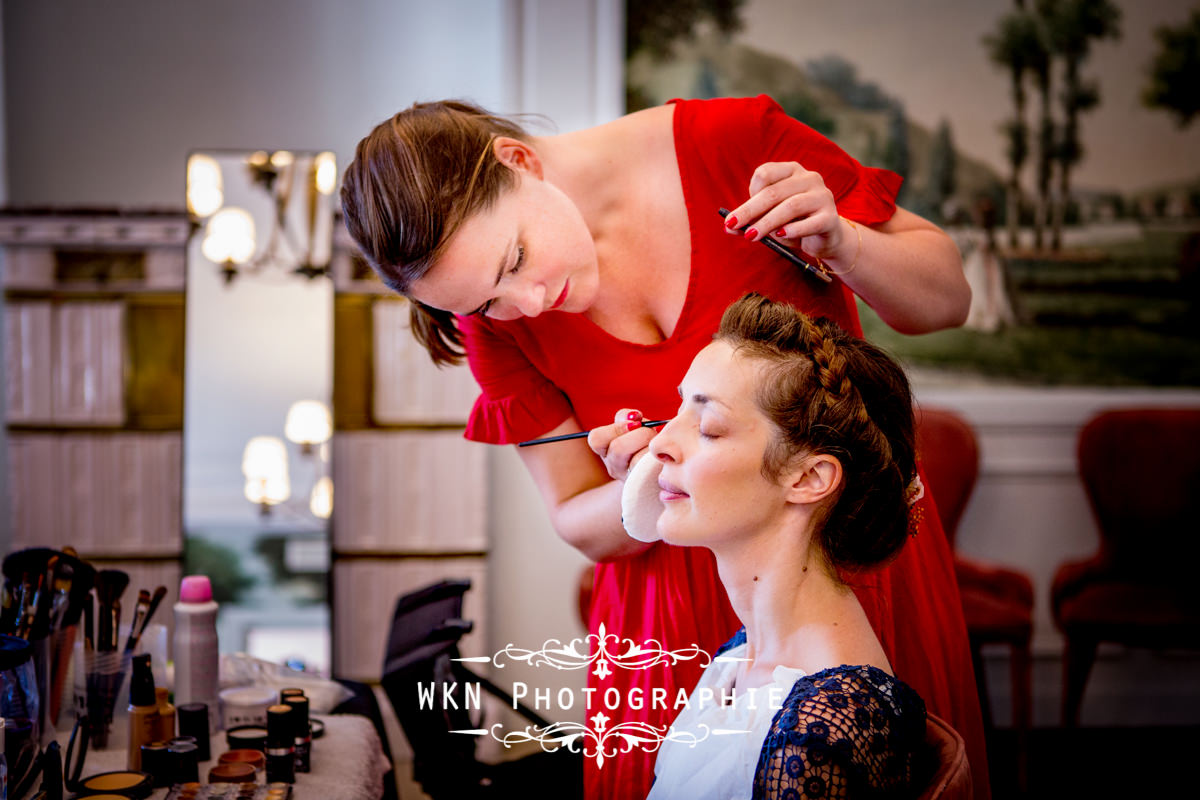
(642, 131)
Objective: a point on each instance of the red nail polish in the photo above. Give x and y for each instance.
(751, 233)
(632, 415)
(731, 221)
(633, 426)
(781, 233)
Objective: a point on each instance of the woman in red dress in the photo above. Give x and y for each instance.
(582, 272)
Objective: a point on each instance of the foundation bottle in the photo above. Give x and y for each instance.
(166, 713)
(143, 710)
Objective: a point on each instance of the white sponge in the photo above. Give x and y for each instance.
(640, 506)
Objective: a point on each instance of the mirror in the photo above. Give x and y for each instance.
(258, 382)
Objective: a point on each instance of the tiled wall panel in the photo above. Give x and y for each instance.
(409, 491)
(28, 362)
(408, 387)
(104, 494)
(89, 372)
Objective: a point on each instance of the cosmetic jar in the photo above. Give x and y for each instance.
(246, 705)
(247, 737)
(239, 772)
(123, 783)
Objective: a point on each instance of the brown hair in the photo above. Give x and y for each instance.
(414, 179)
(829, 392)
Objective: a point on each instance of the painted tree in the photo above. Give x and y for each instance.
(1072, 27)
(1017, 46)
(943, 165)
(1173, 85)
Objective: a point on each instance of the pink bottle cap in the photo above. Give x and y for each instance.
(195, 589)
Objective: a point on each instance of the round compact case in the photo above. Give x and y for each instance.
(123, 783)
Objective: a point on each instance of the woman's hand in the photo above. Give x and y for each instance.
(621, 443)
(792, 205)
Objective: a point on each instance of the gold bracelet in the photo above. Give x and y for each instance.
(857, 250)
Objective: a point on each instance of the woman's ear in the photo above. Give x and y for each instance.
(815, 477)
(517, 155)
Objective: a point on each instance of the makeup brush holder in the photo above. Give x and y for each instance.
(101, 684)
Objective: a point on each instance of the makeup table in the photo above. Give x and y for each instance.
(348, 762)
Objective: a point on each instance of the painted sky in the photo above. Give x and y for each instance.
(929, 54)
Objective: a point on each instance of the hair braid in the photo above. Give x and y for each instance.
(829, 392)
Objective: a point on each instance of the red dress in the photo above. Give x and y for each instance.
(536, 372)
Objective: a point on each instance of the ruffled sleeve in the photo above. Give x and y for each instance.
(517, 402)
(863, 194)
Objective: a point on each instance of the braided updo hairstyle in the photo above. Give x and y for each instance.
(829, 392)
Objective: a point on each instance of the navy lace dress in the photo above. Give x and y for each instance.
(843, 732)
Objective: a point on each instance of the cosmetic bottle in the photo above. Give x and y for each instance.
(193, 721)
(303, 734)
(195, 647)
(143, 710)
(166, 713)
(281, 750)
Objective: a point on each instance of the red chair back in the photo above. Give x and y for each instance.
(1141, 470)
(949, 454)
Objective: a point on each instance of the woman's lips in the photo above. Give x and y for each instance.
(668, 491)
(562, 298)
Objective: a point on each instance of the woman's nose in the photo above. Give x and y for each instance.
(661, 445)
(530, 299)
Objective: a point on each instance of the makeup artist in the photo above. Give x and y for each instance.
(582, 272)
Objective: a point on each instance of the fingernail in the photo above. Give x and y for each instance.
(633, 426)
(751, 233)
(731, 221)
(634, 415)
(781, 233)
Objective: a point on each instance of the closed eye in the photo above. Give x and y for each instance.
(483, 309)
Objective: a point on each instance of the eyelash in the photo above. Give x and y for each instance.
(704, 435)
(482, 312)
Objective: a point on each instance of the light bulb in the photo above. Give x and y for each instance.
(229, 236)
(205, 188)
(308, 422)
(326, 168)
(321, 502)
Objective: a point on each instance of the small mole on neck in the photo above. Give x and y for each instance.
(804, 568)
(755, 577)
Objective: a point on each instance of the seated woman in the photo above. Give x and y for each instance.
(792, 459)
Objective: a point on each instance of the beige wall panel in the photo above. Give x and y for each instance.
(364, 597)
(33, 498)
(28, 363)
(408, 387)
(29, 268)
(89, 370)
(406, 491)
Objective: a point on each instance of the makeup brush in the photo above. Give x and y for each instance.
(139, 614)
(136, 631)
(89, 627)
(110, 583)
(819, 272)
(653, 423)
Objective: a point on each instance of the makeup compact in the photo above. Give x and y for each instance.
(124, 784)
(247, 737)
(232, 773)
(255, 758)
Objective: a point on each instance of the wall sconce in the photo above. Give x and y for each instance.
(299, 238)
(309, 425)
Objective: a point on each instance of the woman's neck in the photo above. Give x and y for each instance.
(796, 613)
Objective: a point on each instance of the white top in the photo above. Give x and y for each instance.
(721, 764)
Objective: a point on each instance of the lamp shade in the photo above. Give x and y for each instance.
(326, 172)
(264, 463)
(321, 502)
(308, 422)
(229, 236)
(205, 187)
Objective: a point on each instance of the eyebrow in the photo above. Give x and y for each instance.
(700, 398)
